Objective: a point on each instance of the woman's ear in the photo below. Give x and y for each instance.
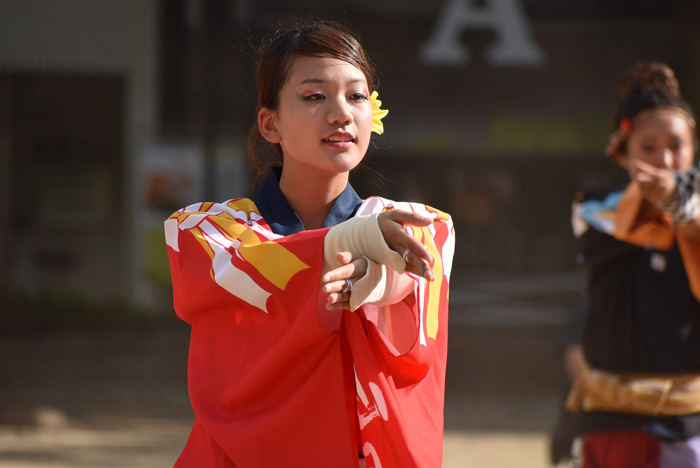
(267, 124)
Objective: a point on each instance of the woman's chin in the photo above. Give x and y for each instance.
(345, 162)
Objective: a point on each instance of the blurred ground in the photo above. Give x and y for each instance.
(119, 399)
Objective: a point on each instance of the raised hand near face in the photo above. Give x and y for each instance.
(657, 184)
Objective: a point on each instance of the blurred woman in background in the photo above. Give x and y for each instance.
(637, 373)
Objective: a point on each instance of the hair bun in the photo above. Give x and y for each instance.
(648, 77)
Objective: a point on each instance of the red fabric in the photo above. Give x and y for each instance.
(620, 449)
(269, 387)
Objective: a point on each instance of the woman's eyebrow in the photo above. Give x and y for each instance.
(319, 80)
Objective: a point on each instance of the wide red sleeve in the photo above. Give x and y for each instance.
(267, 385)
(400, 396)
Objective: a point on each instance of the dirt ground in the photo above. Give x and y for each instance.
(118, 398)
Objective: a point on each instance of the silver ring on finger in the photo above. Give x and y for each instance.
(405, 255)
(347, 287)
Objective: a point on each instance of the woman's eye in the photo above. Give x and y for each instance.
(677, 143)
(359, 97)
(310, 96)
(647, 147)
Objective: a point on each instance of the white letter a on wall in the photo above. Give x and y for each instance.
(514, 43)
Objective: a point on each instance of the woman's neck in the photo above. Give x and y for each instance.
(311, 195)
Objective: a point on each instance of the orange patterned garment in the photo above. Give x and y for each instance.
(634, 226)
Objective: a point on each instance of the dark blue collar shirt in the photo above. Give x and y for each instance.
(282, 219)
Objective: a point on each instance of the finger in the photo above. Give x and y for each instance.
(644, 177)
(334, 286)
(338, 297)
(346, 257)
(651, 178)
(644, 167)
(420, 251)
(410, 218)
(338, 306)
(334, 281)
(392, 224)
(415, 248)
(647, 168)
(420, 267)
(354, 269)
(399, 240)
(424, 272)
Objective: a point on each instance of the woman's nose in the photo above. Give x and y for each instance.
(340, 113)
(668, 159)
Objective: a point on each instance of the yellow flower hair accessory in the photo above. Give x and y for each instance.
(378, 114)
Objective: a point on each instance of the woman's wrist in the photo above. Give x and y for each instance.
(362, 234)
(380, 286)
(684, 206)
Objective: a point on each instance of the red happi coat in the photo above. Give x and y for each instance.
(270, 383)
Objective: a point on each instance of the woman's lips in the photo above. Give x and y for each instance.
(339, 141)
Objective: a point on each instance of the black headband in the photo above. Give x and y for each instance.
(646, 100)
(638, 108)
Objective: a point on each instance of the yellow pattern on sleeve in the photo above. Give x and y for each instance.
(277, 264)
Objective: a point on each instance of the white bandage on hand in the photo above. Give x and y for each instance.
(379, 286)
(361, 235)
(370, 287)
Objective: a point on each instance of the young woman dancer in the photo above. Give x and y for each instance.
(638, 378)
(319, 320)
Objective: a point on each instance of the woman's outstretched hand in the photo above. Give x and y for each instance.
(333, 282)
(657, 184)
(418, 259)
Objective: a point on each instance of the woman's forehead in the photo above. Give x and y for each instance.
(663, 124)
(323, 69)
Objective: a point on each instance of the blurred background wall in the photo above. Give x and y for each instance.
(113, 114)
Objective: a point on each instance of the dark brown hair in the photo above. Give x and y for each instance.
(648, 77)
(646, 86)
(318, 39)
